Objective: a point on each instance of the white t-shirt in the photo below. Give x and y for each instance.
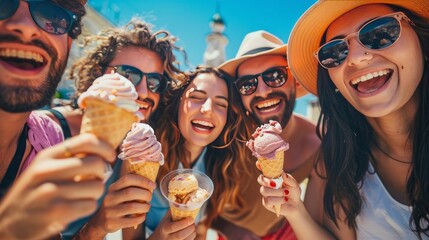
(382, 217)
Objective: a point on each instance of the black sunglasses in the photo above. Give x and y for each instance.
(156, 83)
(377, 34)
(274, 77)
(49, 16)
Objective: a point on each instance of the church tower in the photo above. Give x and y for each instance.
(216, 42)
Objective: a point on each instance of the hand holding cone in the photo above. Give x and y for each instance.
(110, 110)
(269, 147)
(142, 152)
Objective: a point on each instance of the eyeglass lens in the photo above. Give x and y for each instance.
(155, 81)
(273, 77)
(377, 34)
(50, 17)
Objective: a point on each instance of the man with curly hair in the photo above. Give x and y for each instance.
(39, 192)
(135, 51)
(146, 58)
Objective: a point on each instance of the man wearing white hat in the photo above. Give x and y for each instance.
(268, 92)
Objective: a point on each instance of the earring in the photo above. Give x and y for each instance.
(366, 53)
(247, 113)
(336, 90)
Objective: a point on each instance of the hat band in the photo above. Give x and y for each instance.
(257, 50)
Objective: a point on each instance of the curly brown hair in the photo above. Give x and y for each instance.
(78, 8)
(136, 33)
(224, 157)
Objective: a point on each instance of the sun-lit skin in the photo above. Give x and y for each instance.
(146, 61)
(403, 62)
(203, 110)
(264, 107)
(24, 30)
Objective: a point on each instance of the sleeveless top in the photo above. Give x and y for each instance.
(159, 205)
(43, 132)
(63, 122)
(382, 217)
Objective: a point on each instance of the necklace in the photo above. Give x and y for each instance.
(388, 155)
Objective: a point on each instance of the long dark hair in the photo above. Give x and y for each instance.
(346, 144)
(222, 155)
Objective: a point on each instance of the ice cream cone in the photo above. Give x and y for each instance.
(277, 209)
(272, 168)
(146, 169)
(178, 214)
(107, 121)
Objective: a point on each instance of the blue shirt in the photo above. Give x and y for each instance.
(159, 205)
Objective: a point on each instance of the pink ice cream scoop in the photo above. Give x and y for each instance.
(267, 140)
(141, 145)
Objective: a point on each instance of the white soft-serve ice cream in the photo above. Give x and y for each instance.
(110, 108)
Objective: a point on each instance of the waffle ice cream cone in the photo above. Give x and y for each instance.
(110, 108)
(269, 147)
(107, 121)
(272, 168)
(148, 170)
(142, 151)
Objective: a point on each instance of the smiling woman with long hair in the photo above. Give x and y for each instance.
(368, 63)
(200, 128)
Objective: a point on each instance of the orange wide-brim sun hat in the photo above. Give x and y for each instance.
(307, 33)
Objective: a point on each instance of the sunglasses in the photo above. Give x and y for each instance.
(377, 34)
(274, 77)
(48, 16)
(156, 83)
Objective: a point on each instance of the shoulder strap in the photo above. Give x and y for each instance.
(63, 122)
(13, 168)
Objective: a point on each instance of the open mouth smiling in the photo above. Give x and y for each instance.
(268, 105)
(371, 82)
(22, 59)
(203, 125)
(144, 104)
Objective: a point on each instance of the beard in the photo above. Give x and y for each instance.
(283, 117)
(25, 98)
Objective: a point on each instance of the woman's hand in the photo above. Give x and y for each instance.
(287, 196)
(182, 229)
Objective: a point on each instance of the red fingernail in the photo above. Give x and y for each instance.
(286, 199)
(287, 175)
(286, 192)
(272, 184)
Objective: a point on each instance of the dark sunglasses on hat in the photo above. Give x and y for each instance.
(47, 15)
(377, 34)
(274, 77)
(156, 83)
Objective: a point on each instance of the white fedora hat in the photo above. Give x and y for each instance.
(256, 44)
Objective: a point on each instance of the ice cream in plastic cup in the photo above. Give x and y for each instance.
(181, 210)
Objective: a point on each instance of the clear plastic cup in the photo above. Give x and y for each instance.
(180, 210)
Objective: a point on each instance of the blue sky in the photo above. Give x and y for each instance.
(189, 21)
